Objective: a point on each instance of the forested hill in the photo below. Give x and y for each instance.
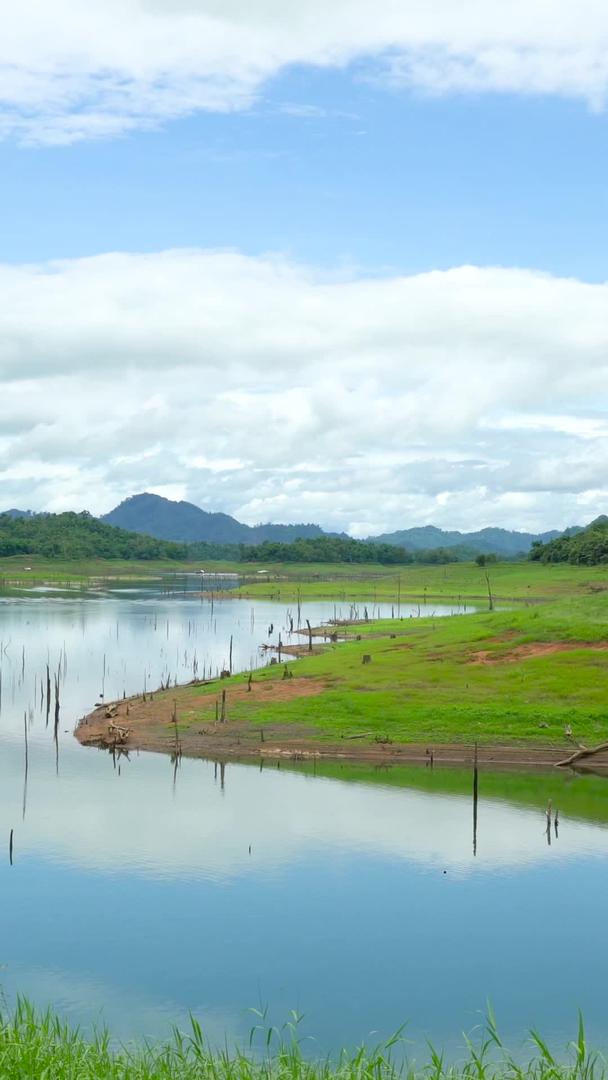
(79, 536)
(502, 542)
(589, 546)
(185, 522)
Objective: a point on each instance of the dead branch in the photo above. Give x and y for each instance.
(584, 752)
(119, 734)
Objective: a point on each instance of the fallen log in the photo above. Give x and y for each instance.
(118, 734)
(584, 752)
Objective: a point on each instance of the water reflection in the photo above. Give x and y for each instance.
(59, 656)
(164, 819)
(223, 889)
(137, 887)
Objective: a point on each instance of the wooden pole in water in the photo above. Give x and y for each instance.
(10, 848)
(490, 597)
(309, 635)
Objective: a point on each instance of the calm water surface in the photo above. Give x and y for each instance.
(354, 897)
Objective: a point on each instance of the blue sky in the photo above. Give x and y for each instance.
(293, 262)
(366, 176)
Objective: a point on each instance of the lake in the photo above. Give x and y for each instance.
(351, 894)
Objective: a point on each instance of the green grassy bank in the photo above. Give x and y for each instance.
(332, 581)
(83, 571)
(41, 1047)
(523, 675)
(508, 581)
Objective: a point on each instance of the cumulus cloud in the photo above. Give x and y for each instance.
(71, 71)
(272, 391)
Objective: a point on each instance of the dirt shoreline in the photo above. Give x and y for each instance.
(151, 729)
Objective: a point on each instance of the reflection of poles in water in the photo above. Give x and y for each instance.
(56, 724)
(556, 824)
(10, 848)
(222, 774)
(475, 798)
(48, 694)
(548, 813)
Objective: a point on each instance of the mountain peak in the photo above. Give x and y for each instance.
(183, 521)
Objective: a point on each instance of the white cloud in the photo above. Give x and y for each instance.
(72, 71)
(262, 388)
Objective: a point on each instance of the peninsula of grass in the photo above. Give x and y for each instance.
(535, 675)
(35, 1045)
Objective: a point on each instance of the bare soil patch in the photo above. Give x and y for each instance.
(149, 725)
(535, 648)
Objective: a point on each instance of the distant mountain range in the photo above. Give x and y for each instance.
(485, 541)
(186, 523)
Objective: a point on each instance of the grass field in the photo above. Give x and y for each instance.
(427, 679)
(522, 675)
(13, 570)
(522, 581)
(332, 581)
(41, 1047)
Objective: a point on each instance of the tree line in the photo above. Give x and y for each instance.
(588, 547)
(72, 536)
(79, 536)
(328, 549)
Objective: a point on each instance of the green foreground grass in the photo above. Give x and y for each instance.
(36, 1046)
(469, 678)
